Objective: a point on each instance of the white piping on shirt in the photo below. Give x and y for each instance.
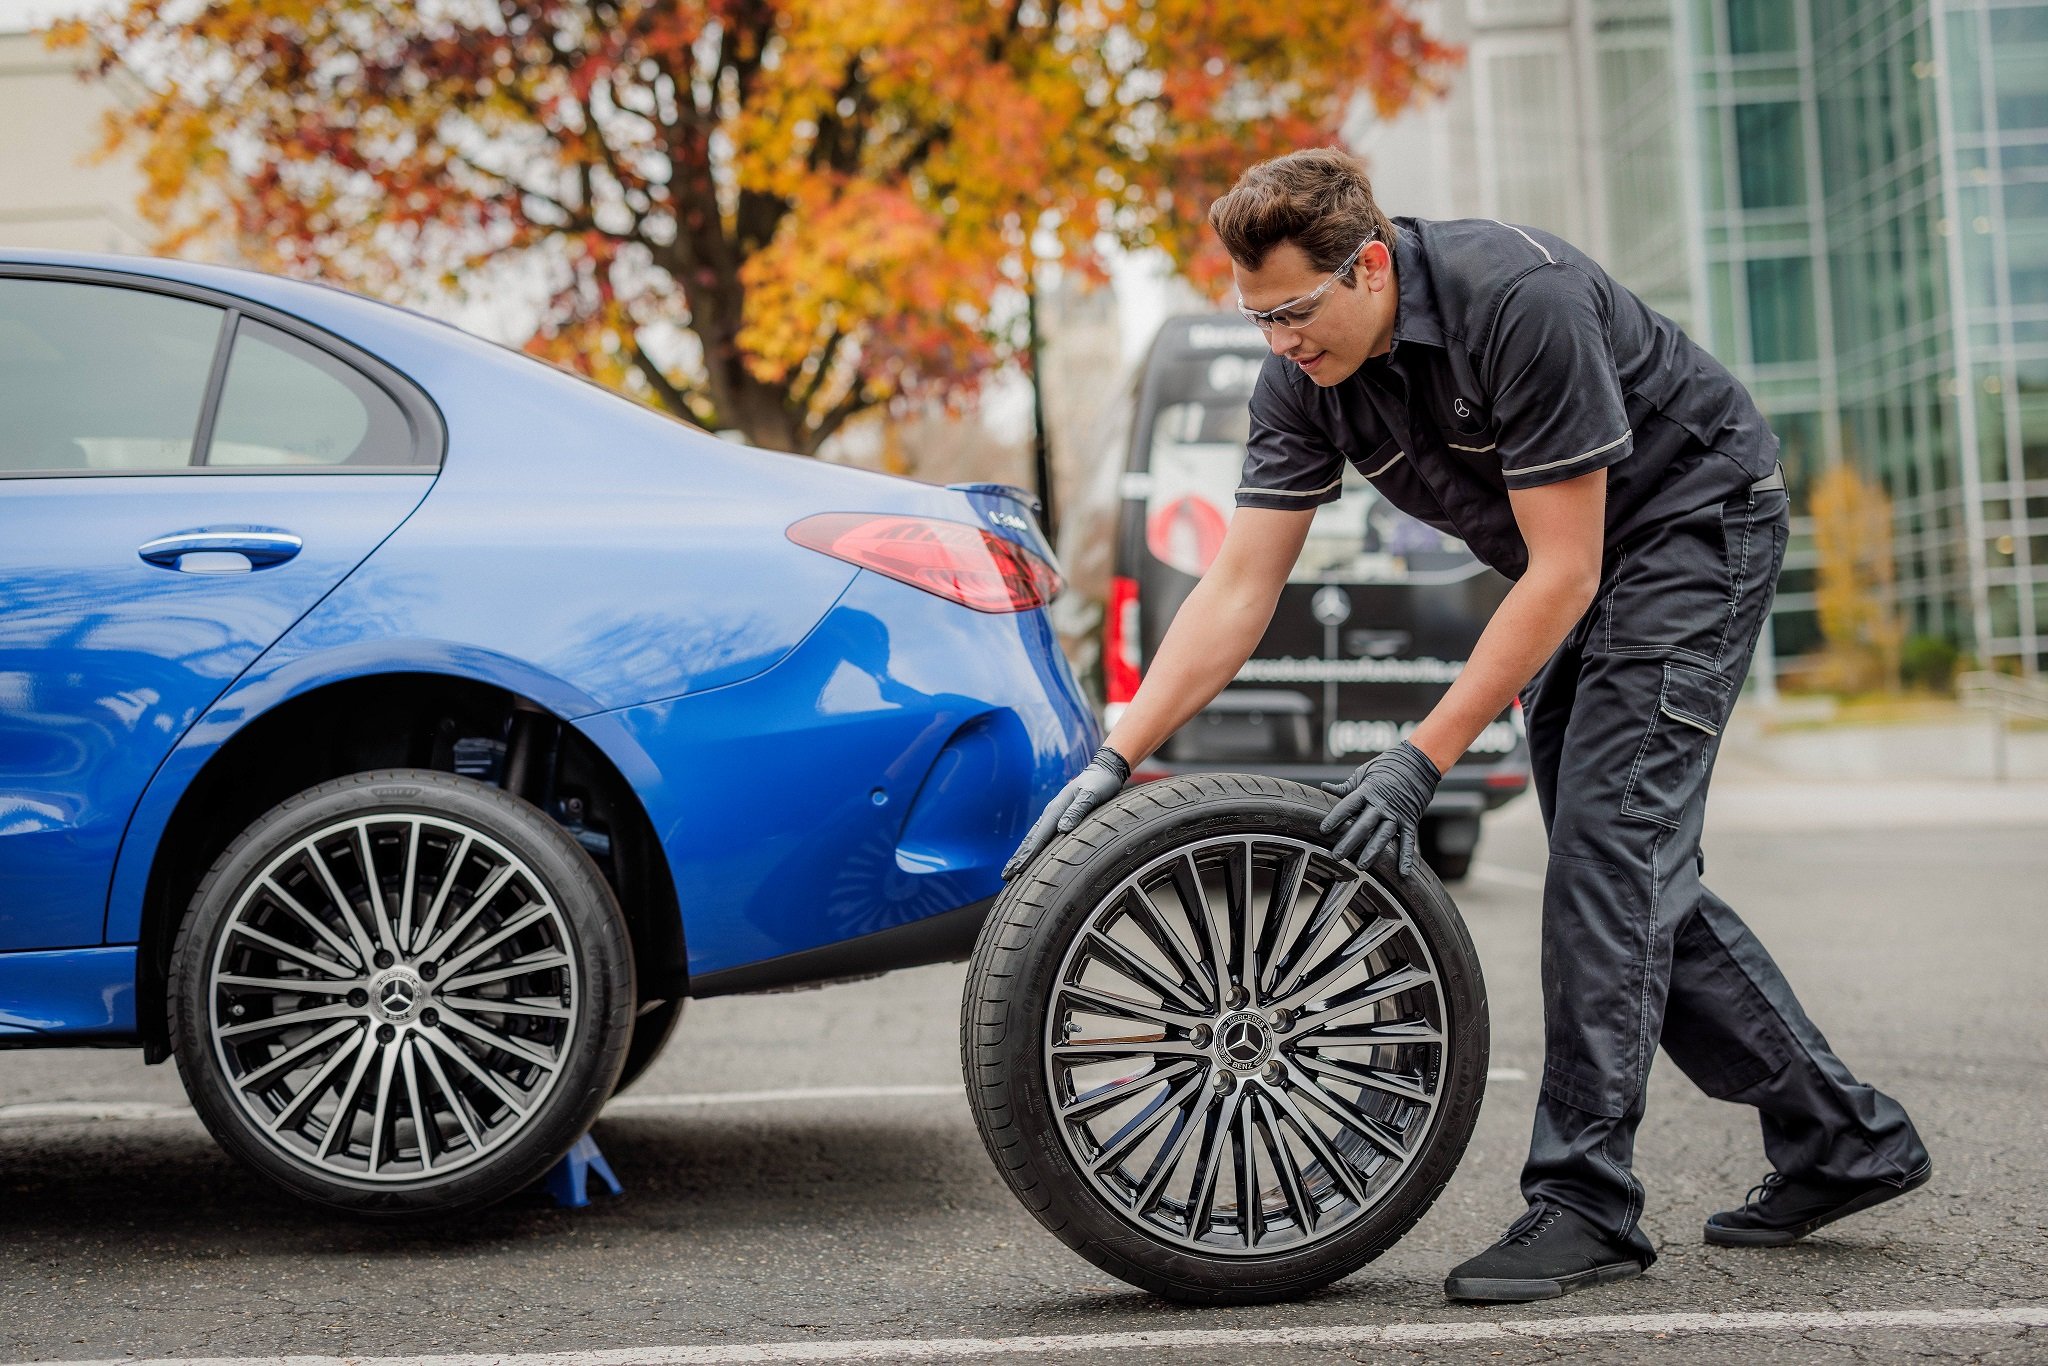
(1526, 238)
(1294, 493)
(1399, 456)
(1573, 460)
(1476, 450)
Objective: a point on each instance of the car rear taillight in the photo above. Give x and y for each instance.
(962, 563)
(1120, 642)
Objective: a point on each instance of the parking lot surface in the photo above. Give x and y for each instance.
(804, 1182)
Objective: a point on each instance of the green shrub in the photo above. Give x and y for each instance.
(1928, 662)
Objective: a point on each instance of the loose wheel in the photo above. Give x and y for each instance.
(1211, 1058)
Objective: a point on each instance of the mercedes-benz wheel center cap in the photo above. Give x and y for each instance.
(1215, 1060)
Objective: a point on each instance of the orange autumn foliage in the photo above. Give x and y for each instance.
(763, 214)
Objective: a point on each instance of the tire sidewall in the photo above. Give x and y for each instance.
(1079, 872)
(598, 944)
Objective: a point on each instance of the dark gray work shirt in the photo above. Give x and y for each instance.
(1516, 362)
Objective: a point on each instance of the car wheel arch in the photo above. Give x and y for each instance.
(322, 733)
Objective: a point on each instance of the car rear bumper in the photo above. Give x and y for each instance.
(879, 776)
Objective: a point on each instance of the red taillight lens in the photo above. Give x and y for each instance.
(1120, 642)
(963, 563)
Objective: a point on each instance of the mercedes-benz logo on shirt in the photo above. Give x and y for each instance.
(1331, 605)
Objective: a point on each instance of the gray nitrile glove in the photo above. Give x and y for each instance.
(1383, 800)
(1104, 777)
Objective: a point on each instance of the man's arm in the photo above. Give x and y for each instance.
(1216, 629)
(1564, 525)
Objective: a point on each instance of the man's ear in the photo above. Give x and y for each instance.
(1376, 264)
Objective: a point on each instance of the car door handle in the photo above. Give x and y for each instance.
(260, 549)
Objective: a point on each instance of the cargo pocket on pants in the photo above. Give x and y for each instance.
(1691, 706)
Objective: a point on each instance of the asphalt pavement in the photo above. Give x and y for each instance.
(802, 1171)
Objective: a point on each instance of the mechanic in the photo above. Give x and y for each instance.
(1496, 383)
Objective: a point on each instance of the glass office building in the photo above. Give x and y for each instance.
(1872, 239)
(1845, 200)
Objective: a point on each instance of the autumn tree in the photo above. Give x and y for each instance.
(764, 214)
(1855, 581)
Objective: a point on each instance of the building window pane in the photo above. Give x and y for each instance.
(1768, 161)
(1532, 163)
(1760, 26)
(1781, 326)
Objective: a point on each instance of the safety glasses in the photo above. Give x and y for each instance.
(1301, 312)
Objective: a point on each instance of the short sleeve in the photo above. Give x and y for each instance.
(1556, 393)
(1288, 463)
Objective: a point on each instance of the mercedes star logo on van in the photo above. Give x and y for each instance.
(1331, 605)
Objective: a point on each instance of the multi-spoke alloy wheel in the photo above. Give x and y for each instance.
(401, 991)
(1193, 1023)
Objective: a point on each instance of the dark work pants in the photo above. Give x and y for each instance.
(1624, 723)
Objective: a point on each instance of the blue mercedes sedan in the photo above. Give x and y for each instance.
(396, 731)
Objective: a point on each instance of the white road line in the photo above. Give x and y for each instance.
(1222, 1339)
(683, 1100)
(151, 1112)
(91, 1110)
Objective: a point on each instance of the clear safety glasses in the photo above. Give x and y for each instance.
(1301, 312)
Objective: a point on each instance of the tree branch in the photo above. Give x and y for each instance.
(835, 417)
(822, 373)
(678, 400)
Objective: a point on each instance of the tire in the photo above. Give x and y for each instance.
(652, 1029)
(494, 1002)
(1382, 1150)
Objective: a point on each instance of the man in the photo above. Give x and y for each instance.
(1496, 383)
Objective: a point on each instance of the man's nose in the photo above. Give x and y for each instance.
(1282, 339)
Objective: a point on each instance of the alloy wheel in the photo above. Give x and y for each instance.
(392, 997)
(1245, 1046)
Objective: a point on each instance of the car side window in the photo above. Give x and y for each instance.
(99, 378)
(287, 403)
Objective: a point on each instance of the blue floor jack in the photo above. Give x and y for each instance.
(568, 1181)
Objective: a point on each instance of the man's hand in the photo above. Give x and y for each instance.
(1383, 801)
(1104, 777)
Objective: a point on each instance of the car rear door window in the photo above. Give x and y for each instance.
(287, 403)
(100, 379)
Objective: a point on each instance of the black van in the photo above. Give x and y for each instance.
(1376, 619)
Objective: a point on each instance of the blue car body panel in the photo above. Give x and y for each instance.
(881, 774)
(106, 659)
(823, 752)
(72, 995)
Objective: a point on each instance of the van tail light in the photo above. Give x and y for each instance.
(1120, 643)
(958, 562)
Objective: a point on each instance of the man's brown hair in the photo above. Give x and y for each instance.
(1319, 199)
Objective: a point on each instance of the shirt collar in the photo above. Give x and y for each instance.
(1415, 314)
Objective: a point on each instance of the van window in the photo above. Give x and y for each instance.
(1196, 457)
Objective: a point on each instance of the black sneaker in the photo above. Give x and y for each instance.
(1549, 1251)
(1780, 1211)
